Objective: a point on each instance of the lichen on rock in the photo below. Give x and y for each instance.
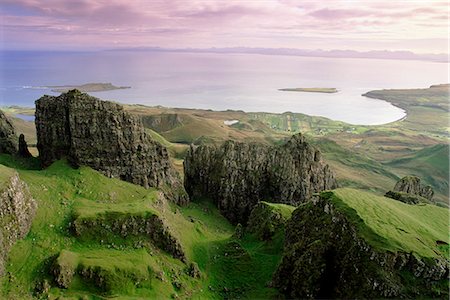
(17, 210)
(238, 175)
(101, 135)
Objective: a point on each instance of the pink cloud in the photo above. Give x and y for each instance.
(206, 23)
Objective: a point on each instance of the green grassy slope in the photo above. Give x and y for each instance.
(63, 193)
(431, 164)
(396, 226)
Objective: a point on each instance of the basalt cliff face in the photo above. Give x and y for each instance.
(8, 138)
(101, 135)
(239, 175)
(326, 258)
(17, 209)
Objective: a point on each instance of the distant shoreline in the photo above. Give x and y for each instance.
(85, 88)
(310, 90)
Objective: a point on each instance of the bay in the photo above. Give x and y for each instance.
(248, 82)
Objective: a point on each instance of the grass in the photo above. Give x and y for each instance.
(396, 226)
(5, 174)
(284, 209)
(62, 192)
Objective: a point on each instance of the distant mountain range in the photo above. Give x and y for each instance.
(378, 54)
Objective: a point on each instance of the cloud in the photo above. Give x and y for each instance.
(205, 23)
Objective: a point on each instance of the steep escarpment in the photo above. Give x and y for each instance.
(8, 138)
(101, 135)
(17, 209)
(331, 252)
(239, 175)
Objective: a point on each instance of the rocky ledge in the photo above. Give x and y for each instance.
(239, 175)
(17, 209)
(101, 135)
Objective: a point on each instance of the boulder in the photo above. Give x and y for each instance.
(412, 185)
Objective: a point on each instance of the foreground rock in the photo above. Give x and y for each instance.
(326, 257)
(8, 138)
(239, 175)
(17, 209)
(412, 185)
(101, 135)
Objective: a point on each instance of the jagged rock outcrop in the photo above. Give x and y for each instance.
(8, 138)
(325, 257)
(17, 209)
(239, 175)
(412, 185)
(23, 147)
(101, 135)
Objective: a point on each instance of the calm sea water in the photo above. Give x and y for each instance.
(248, 82)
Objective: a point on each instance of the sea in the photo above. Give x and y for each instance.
(248, 82)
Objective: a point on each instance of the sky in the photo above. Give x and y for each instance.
(418, 26)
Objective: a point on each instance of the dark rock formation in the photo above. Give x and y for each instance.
(23, 147)
(325, 257)
(17, 209)
(239, 175)
(412, 185)
(8, 138)
(101, 135)
(406, 197)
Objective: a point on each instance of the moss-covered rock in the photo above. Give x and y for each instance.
(8, 138)
(327, 256)
(65, 268)
(147, 225)
(108, 272)
(267, 219)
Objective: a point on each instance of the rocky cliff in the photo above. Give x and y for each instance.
(17, 209)
(325, 256)
(412, 185)
(101, 135)
(8, 138)
(239, 175)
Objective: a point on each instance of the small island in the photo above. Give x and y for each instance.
(88, 87)
(311, 90)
